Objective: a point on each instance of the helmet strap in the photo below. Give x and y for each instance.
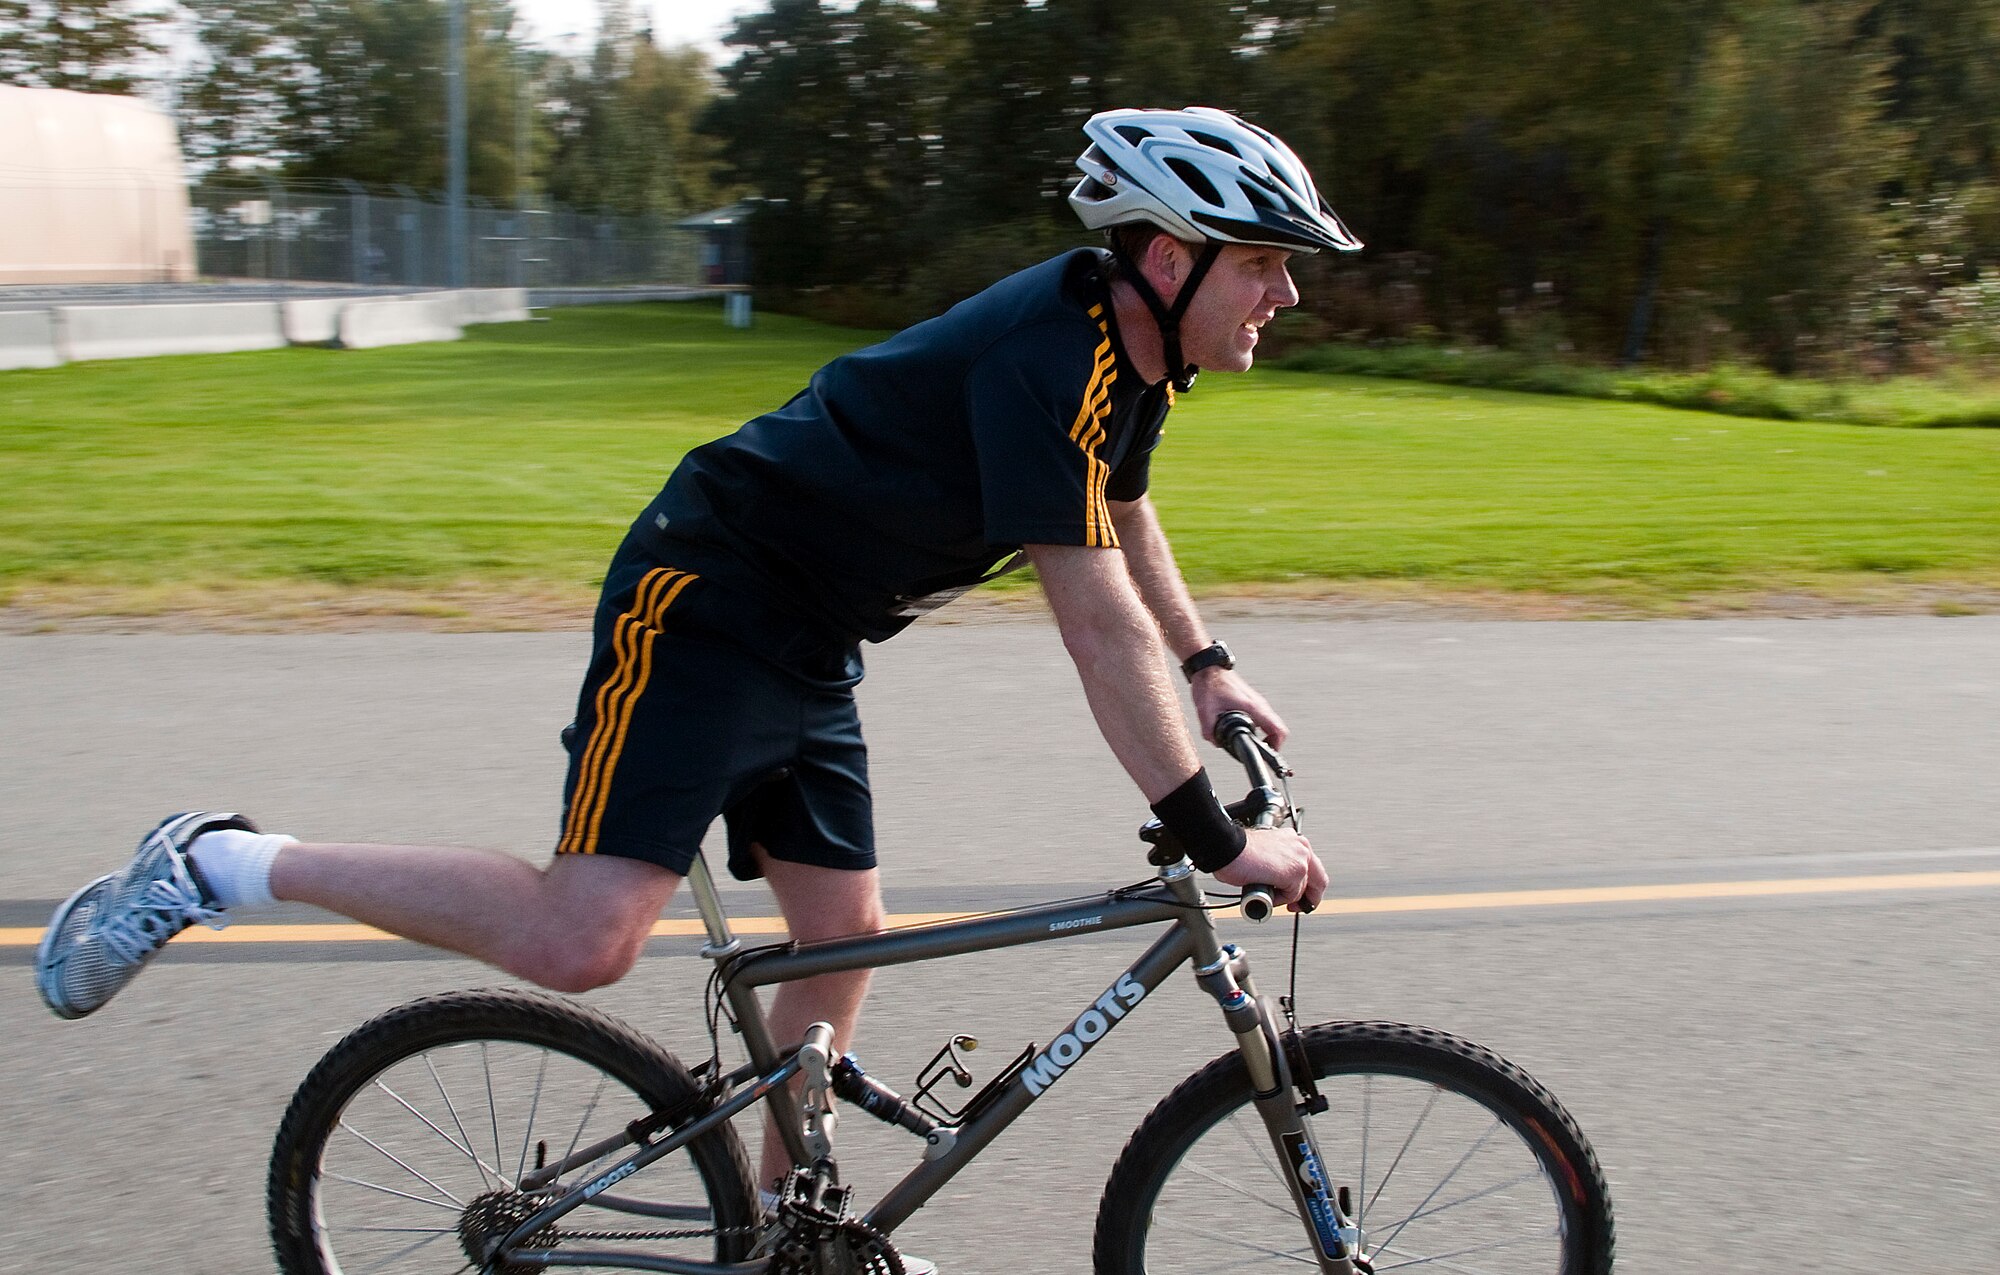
(1169, 318)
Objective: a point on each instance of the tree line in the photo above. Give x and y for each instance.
(1809, 183)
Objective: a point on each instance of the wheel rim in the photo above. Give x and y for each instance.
(458, 1124)
(1438, 1182)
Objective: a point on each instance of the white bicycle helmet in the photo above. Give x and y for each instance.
(1202, 174)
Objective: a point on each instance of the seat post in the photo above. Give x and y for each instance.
(721, 942)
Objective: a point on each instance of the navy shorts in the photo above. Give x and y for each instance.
(699, 702)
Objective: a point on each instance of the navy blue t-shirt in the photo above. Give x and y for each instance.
(909, 471)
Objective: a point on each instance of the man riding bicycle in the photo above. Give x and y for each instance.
(1017, 428)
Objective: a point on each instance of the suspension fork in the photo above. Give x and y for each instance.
(1223, 970)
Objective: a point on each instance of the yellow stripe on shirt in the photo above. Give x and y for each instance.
(1088, 433)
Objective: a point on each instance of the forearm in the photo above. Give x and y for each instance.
(1112, 639)
(1157, 577)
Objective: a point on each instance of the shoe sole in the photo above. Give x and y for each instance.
(43, 952)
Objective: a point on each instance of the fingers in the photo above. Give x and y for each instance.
(1272, 725)
(1315, 882)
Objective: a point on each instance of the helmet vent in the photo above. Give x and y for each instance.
(1197, 181)
(1219, 143)
(1133, 133)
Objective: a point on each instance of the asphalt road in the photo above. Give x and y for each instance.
(1786, 1081)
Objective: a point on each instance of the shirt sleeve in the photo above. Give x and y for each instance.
(1134, 474)
(1039, 402)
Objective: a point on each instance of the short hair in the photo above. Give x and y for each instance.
(1129, 243)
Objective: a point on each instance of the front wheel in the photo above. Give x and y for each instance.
(414, 1144)
(1449, 1156)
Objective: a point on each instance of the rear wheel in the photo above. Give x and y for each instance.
(1450, 1157)
(405, 1149)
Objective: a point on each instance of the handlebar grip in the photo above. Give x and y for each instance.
(1238, 737)
(1230, 728)
(1258, 903)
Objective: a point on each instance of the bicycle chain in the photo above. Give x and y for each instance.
(726, 1231)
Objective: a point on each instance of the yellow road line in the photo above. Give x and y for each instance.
(1580, 896)
(1661, 893)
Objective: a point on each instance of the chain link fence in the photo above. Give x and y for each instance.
(401, 239)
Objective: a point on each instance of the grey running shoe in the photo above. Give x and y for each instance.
(105, 933)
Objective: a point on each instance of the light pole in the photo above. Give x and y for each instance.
(455, 155)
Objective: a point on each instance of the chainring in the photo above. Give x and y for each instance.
(815, 1244)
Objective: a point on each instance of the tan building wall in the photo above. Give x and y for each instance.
(91, 190)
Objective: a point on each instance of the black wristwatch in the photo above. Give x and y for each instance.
(1214, 655)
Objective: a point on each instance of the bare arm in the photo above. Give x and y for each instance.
(1110, 634)
(1150, 560)
(1157, 576)
(1112, 637)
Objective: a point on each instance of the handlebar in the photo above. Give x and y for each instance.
(1266, 801)
(1264, 807)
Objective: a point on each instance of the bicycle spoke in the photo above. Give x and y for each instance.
(1508, 1185)
(1301, 1256)
(456, 1122)
(1383, 1185)
(492, 1105)
(1259, 1146)
(401, 1253)
(1243, 1191)
(402, 1164)
(1445, 1261)
(535, 1105)
(588, 1111)
(1361, 1187)
(464, 1150)
(1463, 1160)
(386, 1190)
(405, 1230)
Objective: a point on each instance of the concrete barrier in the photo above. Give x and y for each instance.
(140, 331)
(493, 305)
(314, 322)
(365, 325)
(28, 339)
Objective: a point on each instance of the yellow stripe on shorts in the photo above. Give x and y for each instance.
(632, 644)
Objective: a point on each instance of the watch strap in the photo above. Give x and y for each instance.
(1214, 655)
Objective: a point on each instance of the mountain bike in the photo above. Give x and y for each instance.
(510, 1132)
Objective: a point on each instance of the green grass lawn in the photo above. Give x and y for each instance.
(513, 460)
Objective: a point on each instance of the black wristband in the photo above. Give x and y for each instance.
(1197, 820)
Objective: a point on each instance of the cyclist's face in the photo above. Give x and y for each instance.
(1243, 291)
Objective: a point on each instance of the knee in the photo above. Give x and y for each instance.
(578, 959)
(590, 923)
(577, 949)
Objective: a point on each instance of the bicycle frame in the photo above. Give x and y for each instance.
(1174, 899)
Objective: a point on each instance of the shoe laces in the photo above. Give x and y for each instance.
(166, 907)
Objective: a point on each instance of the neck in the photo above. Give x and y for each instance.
(1138, 332)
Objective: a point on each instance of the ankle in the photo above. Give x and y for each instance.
(234, 866)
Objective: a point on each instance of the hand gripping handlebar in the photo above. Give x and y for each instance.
(1264, 806)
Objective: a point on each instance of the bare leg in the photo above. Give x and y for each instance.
(818, 903)
(578, 923)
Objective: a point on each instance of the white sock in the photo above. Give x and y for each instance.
(236, 866)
